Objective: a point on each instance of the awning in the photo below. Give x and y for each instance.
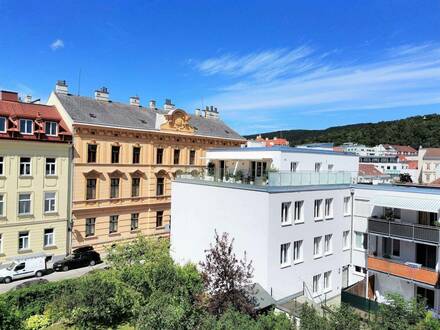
(418, 204)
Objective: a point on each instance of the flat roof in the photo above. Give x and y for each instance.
(399, 188)
(286, 149)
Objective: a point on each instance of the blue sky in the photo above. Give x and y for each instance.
(266, 65)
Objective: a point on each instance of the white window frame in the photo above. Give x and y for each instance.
(25, 200)
(298, 212)
(285, 255)
(2, 165)
(26, 165)
(26, 126)
(51, 235)
(330, 167)
(364, 237)
(6, 124)
(328, 208)
(25, 239)
(286, 216)
(317, 248)
(328, 244)
(346, 240)
(2, 204)
(317, 209)
(327, 281)
(52, 202)
(51, 166)
(316, 284)
(51, 123)
(294, 166)
(347, 205)
(318, 167)
(298, 252)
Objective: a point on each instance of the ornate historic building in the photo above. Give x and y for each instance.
(125, 156)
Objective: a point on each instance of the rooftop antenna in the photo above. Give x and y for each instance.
(79, 81)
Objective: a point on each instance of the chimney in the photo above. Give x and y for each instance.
(102, 94)
(61, 87)
(152, 104)
(9, 96)
(211, 112)
(168, 106)
(198, 113)
(28, 99)
(135, 101)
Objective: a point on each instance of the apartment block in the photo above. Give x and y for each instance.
(35, 154)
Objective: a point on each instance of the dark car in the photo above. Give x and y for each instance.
(81, 257)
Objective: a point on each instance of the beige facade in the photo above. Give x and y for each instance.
(28, 224)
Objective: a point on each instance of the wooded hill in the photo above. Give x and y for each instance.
(414, 131)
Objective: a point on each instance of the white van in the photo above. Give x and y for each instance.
(22, 267)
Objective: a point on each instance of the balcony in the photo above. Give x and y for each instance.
(410, 231)
(402, 270)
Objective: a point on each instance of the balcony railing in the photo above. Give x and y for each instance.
(279, 178)
(407, 271)
(414, 232)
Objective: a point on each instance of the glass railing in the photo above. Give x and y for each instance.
(271, 178)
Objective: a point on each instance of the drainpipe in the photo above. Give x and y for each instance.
(351, 231)
(70, 199)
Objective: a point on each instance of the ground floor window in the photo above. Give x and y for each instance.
(90, 227)
(48, 237)
(427, 295)
(134, 221)
(23, 240)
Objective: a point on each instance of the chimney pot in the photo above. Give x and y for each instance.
(135, 101)
(61, 87)
(168, 106)
(102, 94)
(152, 104)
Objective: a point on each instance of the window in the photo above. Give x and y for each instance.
(359, 269)
(192, 157)
(26, 126)
(159, 218)
(2, 205)
(134, 221)
(316, 284)
(317, 213)
(113, 225)
(24, 204)
(91, 153)
(360, 240)
(391, 213)
(293, 166)
(297, 251)
(285, 213)
(136, 155)
(327, 281)
(91, 189)
(48, 237)
(317, 167)
(90, 227)
(50, 166)
(396, 247)
(3, 124)
(159, 156)
(115, 154)
(160, 186)
(330, 167)
(329, 208)
(1, 166)
(298, 211)
(49, 202)
(51, 128)
(135, 184)
(347, 205)
(176, 158)
(114, 187)
(285, 254)
(25, 166)
(1, 243)
(317, 246)
(346, 240)
(23, 240)
(328, 244)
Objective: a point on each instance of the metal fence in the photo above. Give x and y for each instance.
(358, 302)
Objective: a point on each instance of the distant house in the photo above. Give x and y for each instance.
(429, 165)
(368, 173)
(272, 142)
(395, 149)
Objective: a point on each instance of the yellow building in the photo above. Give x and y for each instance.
(34, 179)
(125, 156)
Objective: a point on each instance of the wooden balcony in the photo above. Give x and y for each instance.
(387, 266)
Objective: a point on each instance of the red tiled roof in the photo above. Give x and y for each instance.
(338, 149)
(39, 113)
(273, 142)
(407, 149)
(432, 152)
(369, 170)
(412, 164)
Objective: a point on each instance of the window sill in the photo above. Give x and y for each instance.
(299, 222)
(2, 254)
(135, 231)
(50, 247)
(27, 215)
(318, 219)
(329, 218)
(24, 251)
(317, 256)
(51, 213)
(25, 176)
(114, 234)
(51, 176)
(347, 215)
(297, 262)
(91, 237)
(286, 224)
(328, 253)
(285, 266)
(327, 290)
(346, 249)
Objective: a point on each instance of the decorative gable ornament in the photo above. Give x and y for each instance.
(177, 120)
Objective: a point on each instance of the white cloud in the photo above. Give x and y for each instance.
(57, 44)
(301, 80)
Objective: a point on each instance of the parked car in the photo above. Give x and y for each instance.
(81, 257)
(22, 267)
(31, 282)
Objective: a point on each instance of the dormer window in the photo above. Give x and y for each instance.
(51, 128)
(3, 125)
(26, 126)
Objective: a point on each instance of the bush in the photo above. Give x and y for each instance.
(9, 318)
(37, 322)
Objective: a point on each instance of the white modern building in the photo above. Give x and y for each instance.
(310, 233)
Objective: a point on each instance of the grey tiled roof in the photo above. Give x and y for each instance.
(85, 110)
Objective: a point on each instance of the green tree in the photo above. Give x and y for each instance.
(311, 320)
(227, 279)
(344, 318)
(9, 318)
